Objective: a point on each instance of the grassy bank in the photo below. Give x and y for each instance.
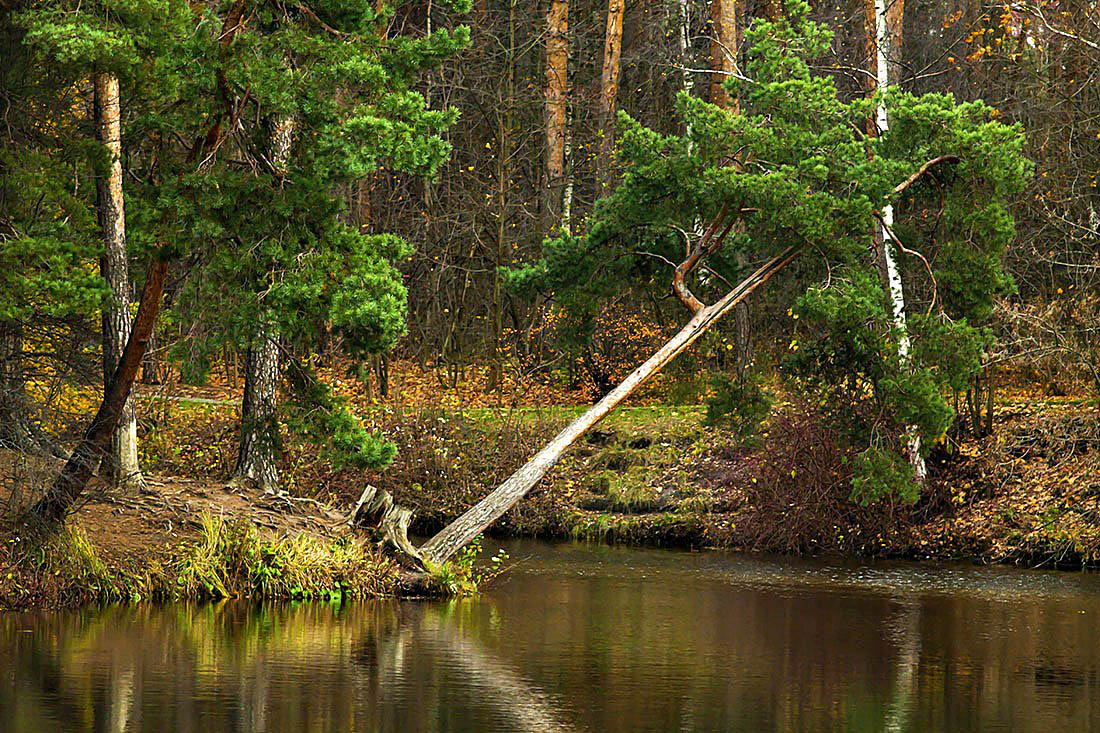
(655, 475)
(651, 475)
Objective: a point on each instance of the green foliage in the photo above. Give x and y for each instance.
(740, 405)
(880, 473)
(463, 575)
(326, 419)
(798, 166)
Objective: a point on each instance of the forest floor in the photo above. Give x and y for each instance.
(649, 474)
(652, 473)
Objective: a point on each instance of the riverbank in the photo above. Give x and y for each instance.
(188, 539)
(649, 475)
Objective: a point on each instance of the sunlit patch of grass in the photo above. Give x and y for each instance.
(231, 559)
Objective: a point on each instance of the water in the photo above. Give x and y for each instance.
(587, 638)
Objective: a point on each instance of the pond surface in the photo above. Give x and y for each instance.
(587, 638)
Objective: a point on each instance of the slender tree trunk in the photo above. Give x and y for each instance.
(17, 431)
(258, 456)
(557, 77)
(609, 89)
(506, 123)
(120, 465)
(683, 42)
(886, 24)
(464, 529)
(89, 452)
(725, 49)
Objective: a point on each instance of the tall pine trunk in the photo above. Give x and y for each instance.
(609, 89)
(886, 25)
(120, 464)
(725, 49)
(258, 456)
(557, 78)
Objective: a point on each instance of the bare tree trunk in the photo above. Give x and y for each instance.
(18, 431)
(683, 41)
(258, 456)
(609, 89)
(557, 77)
(89, 452)
(724, 50)
(258, 459)
(505, 125)
(120, 465)
(887, 24)
(464, 529)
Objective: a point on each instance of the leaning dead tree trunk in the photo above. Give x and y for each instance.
(89, 452)
(464, 529)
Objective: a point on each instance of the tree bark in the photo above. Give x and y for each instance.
(724, 49)
(258, 456)
(609, 89)
(464, 529)
(89, 452)
(557, 76)
(120, 464)
(886, 23)
(17, 429)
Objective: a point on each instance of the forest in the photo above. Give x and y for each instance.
(283, 284)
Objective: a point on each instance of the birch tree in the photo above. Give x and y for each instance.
(884, 62)
(792, 173)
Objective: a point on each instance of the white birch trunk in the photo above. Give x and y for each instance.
(893, 275)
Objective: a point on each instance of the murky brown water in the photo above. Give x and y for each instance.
(588, 638)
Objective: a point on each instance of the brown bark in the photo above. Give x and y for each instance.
(120, 465)
(609, 88)
(724, 49)
(86, 457)
(557, 76)
(464, 529)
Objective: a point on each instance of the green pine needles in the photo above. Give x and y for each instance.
(800, 167)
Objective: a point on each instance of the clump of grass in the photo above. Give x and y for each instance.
(61, 564)
(230, 559)
(632, 492)
(463, 576)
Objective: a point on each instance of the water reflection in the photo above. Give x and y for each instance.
(586, 639)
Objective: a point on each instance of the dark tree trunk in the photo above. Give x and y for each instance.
(89, 452)
(258, 459)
